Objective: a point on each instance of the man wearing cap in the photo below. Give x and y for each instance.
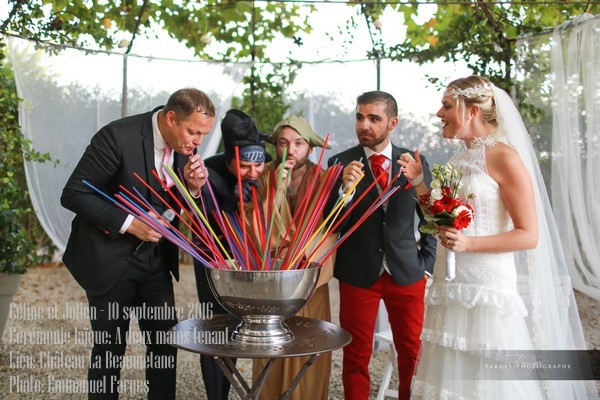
(238, 130)
(297, 136)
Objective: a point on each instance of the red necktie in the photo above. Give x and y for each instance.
(379, 172)
(165, 161)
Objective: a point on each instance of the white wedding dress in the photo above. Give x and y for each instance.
(480, 312)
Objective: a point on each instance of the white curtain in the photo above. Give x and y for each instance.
(69, 94)
(576, 147)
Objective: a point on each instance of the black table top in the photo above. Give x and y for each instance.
(213, 337)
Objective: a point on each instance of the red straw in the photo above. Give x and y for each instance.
(363, 217)
(387, 193)
(142, 201)
(298, 217)
(241, 195)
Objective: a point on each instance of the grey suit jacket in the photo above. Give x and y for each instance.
(387, 233)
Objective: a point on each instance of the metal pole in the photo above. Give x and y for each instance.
(124, 93)
(378, 60)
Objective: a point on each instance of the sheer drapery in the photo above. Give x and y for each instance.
(68, 95)
(576, 147)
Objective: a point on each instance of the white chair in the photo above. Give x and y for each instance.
(390, 368)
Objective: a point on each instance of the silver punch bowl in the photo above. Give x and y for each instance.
(263, 300)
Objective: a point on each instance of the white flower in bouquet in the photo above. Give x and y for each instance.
(436, 194)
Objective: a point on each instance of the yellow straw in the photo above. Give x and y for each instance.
(183, 190)
(335, 211)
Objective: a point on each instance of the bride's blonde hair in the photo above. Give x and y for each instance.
(474, 90)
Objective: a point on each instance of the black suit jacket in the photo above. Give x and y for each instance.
(391, 233)
(223, 183)
(96, 253)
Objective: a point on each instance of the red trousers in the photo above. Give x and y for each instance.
(358, 311)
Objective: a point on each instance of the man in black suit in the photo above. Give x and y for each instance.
(381, 259)
(119, 261)
(239, 130)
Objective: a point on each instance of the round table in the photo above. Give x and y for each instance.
(213, 337)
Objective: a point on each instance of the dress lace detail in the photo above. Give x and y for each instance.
(488, 141)
(470, 318)
(469, 296)
(430, 392)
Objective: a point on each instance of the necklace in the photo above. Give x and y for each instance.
(480, 142)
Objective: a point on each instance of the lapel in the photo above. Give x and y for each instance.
(179, 161)
(148, 146)
(394, 168)
(396, 154)
(368, 179)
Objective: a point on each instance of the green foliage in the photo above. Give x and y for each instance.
(233, 30)
(237, 31)
(480, 33)
(484, 35)
(263, 98)
(19, 229)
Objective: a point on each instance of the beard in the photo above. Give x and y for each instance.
(300, 163)
(368, 139)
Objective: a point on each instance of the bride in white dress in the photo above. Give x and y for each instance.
(511, 291)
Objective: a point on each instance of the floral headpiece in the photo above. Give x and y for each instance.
(475, 91)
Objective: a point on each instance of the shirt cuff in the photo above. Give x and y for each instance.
(126, 224)
(342, 193)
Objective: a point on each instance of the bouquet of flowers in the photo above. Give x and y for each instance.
(443, 206)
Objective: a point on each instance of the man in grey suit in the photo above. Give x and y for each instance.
(119, 261)
(381, 260)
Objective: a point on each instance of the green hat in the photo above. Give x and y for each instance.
(301, 126)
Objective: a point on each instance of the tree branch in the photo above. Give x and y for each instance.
(498, 29)
(17, 5)
(137, 25)
(486, 10)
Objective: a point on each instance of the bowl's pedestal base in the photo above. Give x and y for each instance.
(262, 330)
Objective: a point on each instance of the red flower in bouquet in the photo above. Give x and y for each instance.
(463, 217)
(442, 205)
(449, 203)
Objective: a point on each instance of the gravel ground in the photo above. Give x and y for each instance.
(52, 288)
